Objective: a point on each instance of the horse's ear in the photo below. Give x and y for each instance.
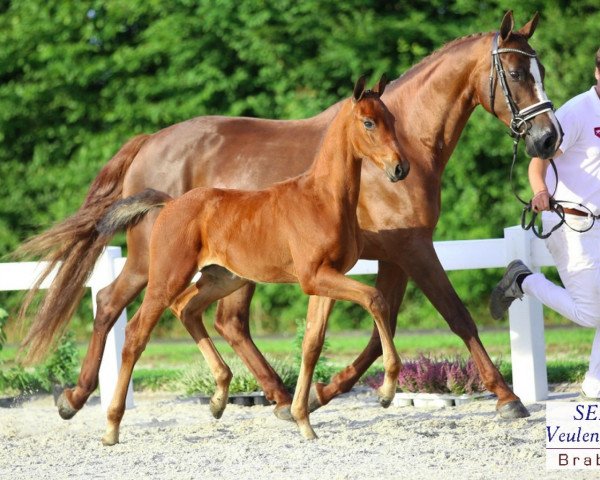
(508, 23)
(528, 29)
(359, 88)
(380, 87)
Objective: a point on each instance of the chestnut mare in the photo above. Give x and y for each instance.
(432, 103)
(301, 230)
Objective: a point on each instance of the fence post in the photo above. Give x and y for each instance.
(104, 273)
(526, 318)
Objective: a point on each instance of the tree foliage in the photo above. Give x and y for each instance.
(77, 79)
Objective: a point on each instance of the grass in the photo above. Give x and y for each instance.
(164, 362)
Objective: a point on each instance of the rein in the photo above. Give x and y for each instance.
(519, 127)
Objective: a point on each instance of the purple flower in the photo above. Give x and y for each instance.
(430, 375)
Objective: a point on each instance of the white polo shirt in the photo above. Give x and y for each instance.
(579, 165)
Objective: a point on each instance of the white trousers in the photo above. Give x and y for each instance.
(577, 258)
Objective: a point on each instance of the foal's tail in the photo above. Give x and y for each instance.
(129, 211)
(75, 244)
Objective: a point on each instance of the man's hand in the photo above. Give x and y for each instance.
(541, 201)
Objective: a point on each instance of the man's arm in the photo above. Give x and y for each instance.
(537, 180)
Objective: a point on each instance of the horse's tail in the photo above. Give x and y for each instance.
(76, 245)
(129, 211)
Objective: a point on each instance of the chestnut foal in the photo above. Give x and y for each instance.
(302, 230)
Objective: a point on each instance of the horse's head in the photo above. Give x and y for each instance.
(373, 133)
(516, 90)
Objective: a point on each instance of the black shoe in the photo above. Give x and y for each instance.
(507, 289)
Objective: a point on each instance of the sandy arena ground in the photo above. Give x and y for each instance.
(167, 437)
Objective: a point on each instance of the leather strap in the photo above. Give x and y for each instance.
(574, 211)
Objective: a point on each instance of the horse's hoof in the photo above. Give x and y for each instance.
(307, 431)
(284, 412)
(110, 438)
(385, 397)
(314, 402)
(512, 410)
(108, 441)
(65, 410)
(216, 410)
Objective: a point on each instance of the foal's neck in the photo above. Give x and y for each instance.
(335, 172)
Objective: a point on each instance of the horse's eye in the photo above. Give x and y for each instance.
(515, 74)
(369, 124)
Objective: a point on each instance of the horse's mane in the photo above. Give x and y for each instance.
(425, 62)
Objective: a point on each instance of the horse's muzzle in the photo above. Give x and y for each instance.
(399, 173)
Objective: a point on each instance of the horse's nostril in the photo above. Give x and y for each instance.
(549, 141)
(398, 171)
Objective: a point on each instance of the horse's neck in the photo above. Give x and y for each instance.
(336, 171)
(433, 104)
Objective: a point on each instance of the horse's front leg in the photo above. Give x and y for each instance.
(423, 265)
(312, 345)
(331, 283)
(232, 323)
(391, 281)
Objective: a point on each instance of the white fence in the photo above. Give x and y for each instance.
(525, 317)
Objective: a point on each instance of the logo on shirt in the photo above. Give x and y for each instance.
(597, 131)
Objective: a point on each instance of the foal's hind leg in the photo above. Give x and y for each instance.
(216, 282)
(168, 278)
(111, 301)
(137, 335)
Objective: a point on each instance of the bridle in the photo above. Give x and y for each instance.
(519, 127)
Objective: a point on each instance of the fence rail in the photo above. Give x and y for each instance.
(525, 318)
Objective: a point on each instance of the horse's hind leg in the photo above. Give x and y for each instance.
(391, 281)
(232, 323)
(169, 277)
(111, 301)
(215, 283)
(137, 335)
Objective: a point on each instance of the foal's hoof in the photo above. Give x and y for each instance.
(314, 402)
(385, 402)
(284, 412)
(385, 397)
(512, 410)
(65, 410)
(216, 410)
(110, 439)
(307, 431)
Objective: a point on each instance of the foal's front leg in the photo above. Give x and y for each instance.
(328, 282)
(391, 281)
(314, 336)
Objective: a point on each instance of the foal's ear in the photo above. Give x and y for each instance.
(380, 87)
(359, 88)
(508, 23)
(528, 29)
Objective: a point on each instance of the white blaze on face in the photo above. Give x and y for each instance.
(534, 69)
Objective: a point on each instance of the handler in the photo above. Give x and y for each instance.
(575, 246)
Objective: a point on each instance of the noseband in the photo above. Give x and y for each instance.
(519, 123)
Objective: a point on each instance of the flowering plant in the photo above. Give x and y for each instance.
(430, 375)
